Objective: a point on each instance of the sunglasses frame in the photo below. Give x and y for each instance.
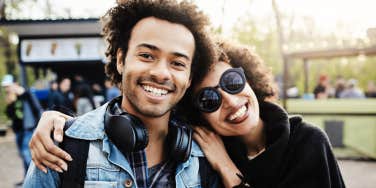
(221, 85)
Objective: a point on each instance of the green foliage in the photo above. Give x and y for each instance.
(262, 37)
(14, 8)
(11, 68)
(263, 40)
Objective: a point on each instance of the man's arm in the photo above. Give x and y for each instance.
(43, 150)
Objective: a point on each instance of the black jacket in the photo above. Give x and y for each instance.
(17, 112)
(297, 154)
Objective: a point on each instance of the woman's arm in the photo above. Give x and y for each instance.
(43, 150)
(215, 152)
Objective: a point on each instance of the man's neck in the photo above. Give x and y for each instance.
(157, 128)
(155, 150)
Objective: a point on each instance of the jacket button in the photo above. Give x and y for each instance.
(128, 183)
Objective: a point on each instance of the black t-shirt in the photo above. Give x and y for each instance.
(15, 112)
(319, 89)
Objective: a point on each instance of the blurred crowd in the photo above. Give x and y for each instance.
(74, 96)
(342, 88)
(339, 88)
(79, 96)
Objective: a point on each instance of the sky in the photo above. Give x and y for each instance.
(354, 16)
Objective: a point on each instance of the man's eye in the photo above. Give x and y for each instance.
(178, 64)
(146, 56)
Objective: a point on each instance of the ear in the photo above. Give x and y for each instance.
(119, 61)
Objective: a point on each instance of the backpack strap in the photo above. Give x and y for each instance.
(78, 149)
(208, 175)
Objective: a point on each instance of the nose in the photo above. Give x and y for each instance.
(160, 72)
(228, 100)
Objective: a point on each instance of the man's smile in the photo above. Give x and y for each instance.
(154, 90)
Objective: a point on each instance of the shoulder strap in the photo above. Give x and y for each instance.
(78, 149)
(208, 175)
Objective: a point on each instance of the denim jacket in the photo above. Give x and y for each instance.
(106, 166)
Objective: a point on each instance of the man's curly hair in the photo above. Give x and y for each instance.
(120, 20)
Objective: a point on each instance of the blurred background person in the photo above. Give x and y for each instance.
(98, 94)
(340, 86)
(321, 90)
(371, 90)
(111, 90)
(77, 81)
(54, 89)
(352, 90)
(61, 98)
(24, 110)
(85, 101)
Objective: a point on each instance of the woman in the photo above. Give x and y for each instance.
(262, 146)
(265, 148)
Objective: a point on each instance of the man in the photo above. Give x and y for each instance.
(154, 49)
(24, 110)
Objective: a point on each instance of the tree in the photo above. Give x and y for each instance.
(301, 34)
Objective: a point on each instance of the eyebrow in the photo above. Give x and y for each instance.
(155, 48)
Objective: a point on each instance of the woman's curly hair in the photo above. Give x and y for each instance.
(120, 20)
(258, 76)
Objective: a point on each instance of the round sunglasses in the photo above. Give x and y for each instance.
(209, 99)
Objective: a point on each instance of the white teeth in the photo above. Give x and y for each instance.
(155, 91)
(238, 113)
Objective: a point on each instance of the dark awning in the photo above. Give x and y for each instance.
(53, 27)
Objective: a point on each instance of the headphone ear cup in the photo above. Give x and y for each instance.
(121, 133)
(180, 140)
(141, 134)
(125, 131)
(186, 143)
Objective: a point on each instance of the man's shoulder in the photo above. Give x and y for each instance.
(196, 150)
(89, 126)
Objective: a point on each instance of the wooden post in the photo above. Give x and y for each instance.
(284, 57)
(306, 75)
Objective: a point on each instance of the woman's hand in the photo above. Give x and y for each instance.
(212, 145)
(215, 151)
(43, 150)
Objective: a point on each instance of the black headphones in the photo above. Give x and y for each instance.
(128, 133)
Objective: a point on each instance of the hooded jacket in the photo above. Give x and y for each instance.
(297, 155)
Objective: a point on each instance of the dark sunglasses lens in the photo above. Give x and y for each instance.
(209, 100)
(232, 82)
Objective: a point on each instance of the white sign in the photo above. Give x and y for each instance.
(62, 49)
